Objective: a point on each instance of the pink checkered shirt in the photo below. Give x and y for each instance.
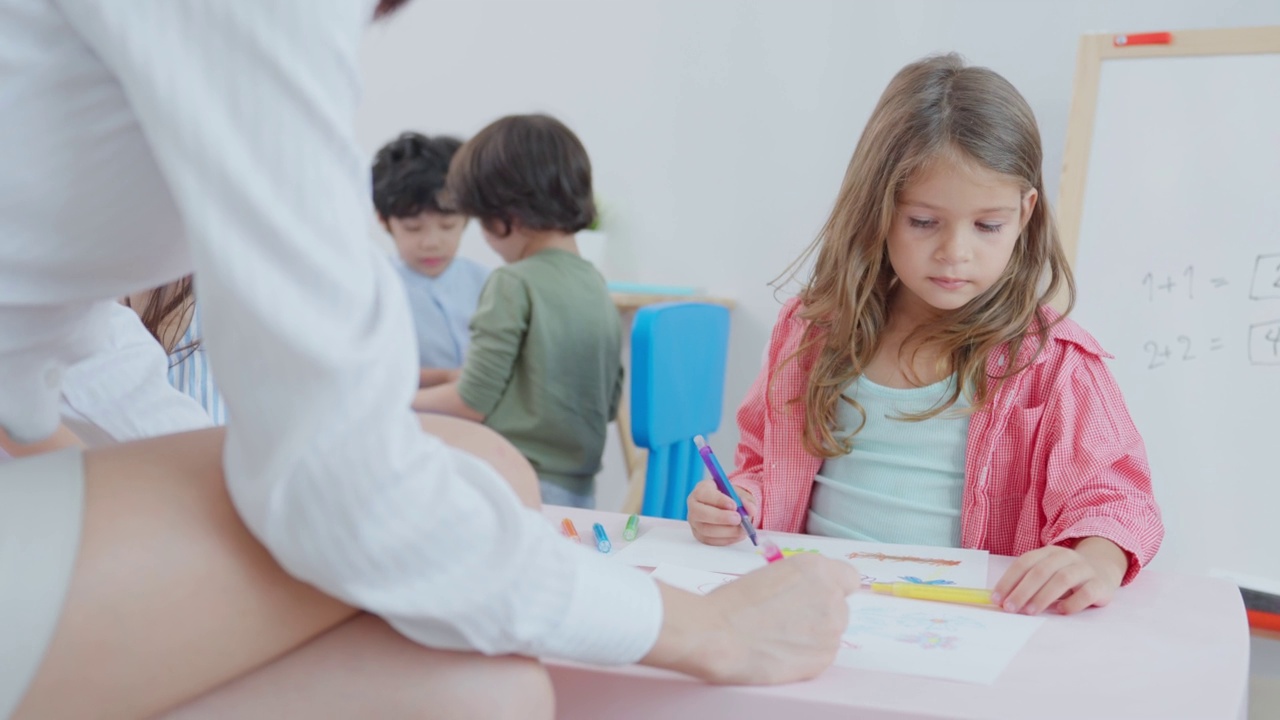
(1054, 458)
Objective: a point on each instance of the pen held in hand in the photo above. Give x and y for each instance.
(770, 550)
(722, 482)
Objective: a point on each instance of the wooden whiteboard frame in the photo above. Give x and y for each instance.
(1094, 49)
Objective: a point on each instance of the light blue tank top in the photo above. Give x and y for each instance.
(903, 481)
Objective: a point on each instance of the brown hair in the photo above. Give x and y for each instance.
(526, 168)
(166, 314)
(931, 108)
(386, 7)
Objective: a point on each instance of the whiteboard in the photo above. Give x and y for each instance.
(1178, 270)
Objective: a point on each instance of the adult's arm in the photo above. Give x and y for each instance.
(248, 109)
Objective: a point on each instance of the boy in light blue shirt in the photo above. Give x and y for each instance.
(408, 175)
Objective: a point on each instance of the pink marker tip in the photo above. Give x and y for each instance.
(771, 552)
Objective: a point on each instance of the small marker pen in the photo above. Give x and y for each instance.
(602, 539)
(632, 529)
(571, 532)
(940, 593)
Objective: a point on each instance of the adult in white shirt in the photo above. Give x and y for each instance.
(130, 585)
(121, 392)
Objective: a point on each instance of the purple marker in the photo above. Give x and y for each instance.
(722, 482)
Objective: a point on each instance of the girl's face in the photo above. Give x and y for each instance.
(428, 241)
(953, 232)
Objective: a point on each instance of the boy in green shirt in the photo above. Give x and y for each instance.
(544, 368)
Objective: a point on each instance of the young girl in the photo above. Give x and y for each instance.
(918, 390)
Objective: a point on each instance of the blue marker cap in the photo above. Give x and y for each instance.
(602, 539)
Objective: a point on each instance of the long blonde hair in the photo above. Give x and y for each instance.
(931, 108)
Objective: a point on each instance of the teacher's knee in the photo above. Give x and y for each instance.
(491, 447)
(526, 694)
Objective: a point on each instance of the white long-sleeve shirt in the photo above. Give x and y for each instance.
(123, 392)
(140, 139)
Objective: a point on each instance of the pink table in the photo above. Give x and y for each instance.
(1168, 646)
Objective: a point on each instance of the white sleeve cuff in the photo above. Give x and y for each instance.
(614, 615)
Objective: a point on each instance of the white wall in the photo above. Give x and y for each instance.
(719, 129)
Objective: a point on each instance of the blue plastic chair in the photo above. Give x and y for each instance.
(678, 353)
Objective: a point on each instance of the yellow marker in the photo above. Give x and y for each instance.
(940, 593)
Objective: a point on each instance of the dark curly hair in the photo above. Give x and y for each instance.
(409, 173)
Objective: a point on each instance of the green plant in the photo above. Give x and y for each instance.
(600, 214)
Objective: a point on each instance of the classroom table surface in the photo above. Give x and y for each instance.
(1168, 646)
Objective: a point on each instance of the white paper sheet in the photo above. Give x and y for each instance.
(910, 637)
(877, 562)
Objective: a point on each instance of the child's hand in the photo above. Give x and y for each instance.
(1072, 579)
(713, 516)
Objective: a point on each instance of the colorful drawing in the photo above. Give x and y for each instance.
(870, 621)
(890, 621)
(890, 634)
(931, 641)
(957, 643)
(788, 552)
(868, 579)
(883, 563)
(882, 557)
(918, 581)
(939, 622)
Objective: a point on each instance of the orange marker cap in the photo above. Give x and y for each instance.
(571, 532)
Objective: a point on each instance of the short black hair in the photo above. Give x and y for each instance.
(409, 173)
(526, 168)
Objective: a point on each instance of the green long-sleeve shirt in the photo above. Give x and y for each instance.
(545, 364)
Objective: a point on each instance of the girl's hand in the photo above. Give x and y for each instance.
(713, 516)
(1072, 579)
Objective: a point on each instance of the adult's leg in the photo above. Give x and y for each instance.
(363, 668)
(491, 447)
(170, 595)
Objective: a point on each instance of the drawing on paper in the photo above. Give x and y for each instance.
(905, 636)
(918, 581)
(868, 579)
(883, 557)
(788, 552)
(869, 621)
(927, 631)
(931, 641)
